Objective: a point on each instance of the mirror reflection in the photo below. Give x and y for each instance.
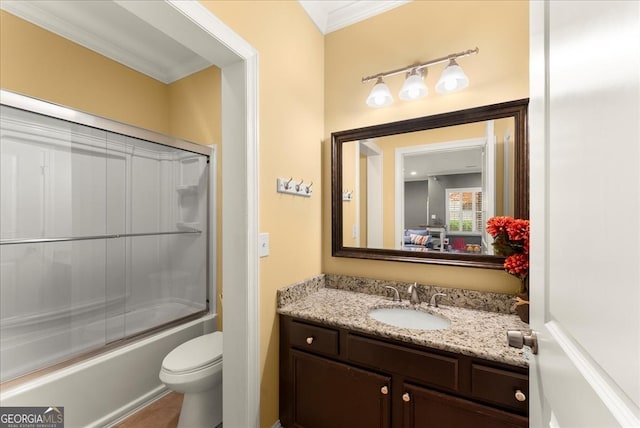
(430, 190)
(423, 189)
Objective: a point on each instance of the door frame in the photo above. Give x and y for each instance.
(400, 154)
(240, 209)
(374, 189)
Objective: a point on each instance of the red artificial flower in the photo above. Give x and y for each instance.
(517, 264)
(498, 225)
(518, 230)
(511, 239)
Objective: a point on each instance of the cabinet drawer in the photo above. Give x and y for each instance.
(426, 408)
(432, 369)
(313, 338)
(500, 387)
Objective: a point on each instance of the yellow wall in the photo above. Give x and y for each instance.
(291, 65)
(416, 32)
(194, 107)
(43, 65)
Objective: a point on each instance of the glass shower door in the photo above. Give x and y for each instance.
(102, 236)
(52, 281)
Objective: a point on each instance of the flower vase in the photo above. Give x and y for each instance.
(522, 300)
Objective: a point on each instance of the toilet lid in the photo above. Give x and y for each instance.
(195, 353)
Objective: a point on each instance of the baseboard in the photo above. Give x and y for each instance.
(129, 409)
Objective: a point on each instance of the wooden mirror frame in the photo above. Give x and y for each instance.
(516, 109)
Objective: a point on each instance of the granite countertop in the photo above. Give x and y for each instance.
(475, 333)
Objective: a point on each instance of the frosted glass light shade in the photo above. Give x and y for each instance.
(452, 79)
(414, 87)
(380, 96)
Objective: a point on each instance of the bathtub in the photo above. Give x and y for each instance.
(101, 390)
(30, 342)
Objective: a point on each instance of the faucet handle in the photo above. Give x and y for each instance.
(413, 293)
(434, 299)
(396, 297)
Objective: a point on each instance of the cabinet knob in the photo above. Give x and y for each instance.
(406, 397)
(384, 390)
(520, 396)
(310, 340)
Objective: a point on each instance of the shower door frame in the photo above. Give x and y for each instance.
(45, 108)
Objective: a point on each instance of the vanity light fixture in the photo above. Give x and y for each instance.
(452, 79)
(380, 96)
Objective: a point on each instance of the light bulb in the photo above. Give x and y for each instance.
(413, 87)
(380, 96)
(450, 84)
(452, 78)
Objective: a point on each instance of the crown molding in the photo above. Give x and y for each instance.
(85, 29)
(330, 16)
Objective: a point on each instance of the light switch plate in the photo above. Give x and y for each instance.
(263, 245)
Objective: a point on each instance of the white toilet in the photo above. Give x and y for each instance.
(195, 369)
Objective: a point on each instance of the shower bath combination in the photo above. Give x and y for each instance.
(103, 233)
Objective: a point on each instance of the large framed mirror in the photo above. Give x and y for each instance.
(421, 190)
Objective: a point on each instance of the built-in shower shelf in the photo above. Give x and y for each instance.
(188, 226)
(187, 188)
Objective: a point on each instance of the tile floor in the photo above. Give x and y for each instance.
(163, 413)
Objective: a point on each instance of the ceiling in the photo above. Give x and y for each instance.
(445, 162)
(113, 29)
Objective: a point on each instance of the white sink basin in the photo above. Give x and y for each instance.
(409, 318)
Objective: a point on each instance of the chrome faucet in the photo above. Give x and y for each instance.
(413, 292)
(434, 299)
(396, 298)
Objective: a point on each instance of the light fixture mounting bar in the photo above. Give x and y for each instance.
(420, 66)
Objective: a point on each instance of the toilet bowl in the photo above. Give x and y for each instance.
(195, 369)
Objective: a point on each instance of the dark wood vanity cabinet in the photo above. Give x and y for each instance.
(332, 394)
(336, 378)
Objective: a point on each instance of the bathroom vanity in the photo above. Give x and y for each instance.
(340, 368)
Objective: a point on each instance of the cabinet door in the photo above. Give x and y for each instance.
(424, 408)
(328, 394)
